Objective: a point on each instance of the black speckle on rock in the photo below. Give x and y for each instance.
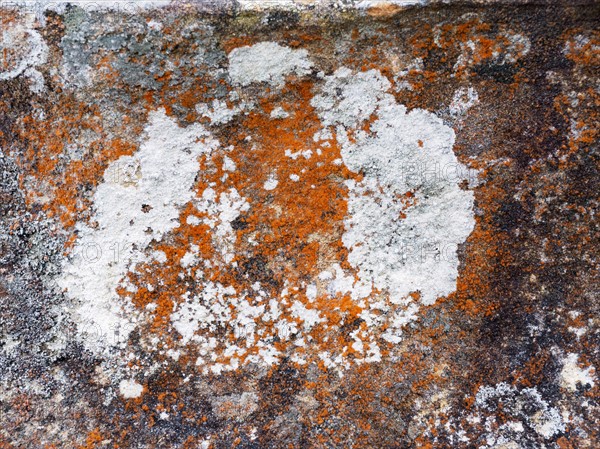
(239, 223)
(282, 19)
(501, 73)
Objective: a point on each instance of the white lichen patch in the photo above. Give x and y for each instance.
(506, 413)
(266, 62)
(279, 112)
(130, 389)
(221, 209)
(398, 246)
(138, 202)
(203, 311)
(573, 375)
(271, 182)
(22, 49)
(463, 100)
(219, 113)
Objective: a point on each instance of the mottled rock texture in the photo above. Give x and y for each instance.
(302, 226)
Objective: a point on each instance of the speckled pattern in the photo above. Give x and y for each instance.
(300, 226)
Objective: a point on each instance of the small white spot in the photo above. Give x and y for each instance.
(270, 183)
(228, 164)
(279, 112)
(309, 316)
(159, 256)
(190, 258)
(193, 220)
(130, 389)
(154, 25)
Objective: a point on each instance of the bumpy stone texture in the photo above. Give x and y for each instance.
(300, 226)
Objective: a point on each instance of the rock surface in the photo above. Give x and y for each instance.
(300, 224)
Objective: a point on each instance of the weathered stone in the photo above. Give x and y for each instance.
(303, 224)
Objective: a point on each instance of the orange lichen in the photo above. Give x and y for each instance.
(58, 181)
(583, 48)
(284, 220)
(295, 229)
(93, 440)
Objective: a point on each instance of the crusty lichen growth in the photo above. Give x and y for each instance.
(229, 167)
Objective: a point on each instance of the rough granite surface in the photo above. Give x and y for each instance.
(300, 224)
